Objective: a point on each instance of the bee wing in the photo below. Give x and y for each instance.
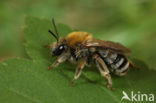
(101, 44)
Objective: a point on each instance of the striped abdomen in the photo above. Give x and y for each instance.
(117, 63)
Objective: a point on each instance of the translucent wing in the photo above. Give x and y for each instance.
(101, 44)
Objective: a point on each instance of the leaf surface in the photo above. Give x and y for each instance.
(29, 81)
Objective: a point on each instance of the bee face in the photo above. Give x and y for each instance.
(57, 49)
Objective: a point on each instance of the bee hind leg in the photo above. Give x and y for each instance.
(103, 70)
(132, 65)
(79, 68)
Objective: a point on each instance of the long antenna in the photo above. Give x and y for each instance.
(53, 34)
(53, 21)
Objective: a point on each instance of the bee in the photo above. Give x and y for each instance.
(81, 47)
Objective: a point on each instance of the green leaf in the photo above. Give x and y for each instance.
(29, 81)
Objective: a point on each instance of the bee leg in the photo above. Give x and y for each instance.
(55, 64)
(62, 58)
(47, 46)
(79, 68)
(132, 65)
(103, 70)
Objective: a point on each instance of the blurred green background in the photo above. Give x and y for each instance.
(130, 22)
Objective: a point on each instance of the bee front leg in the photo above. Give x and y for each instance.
(47, 46)
(62, 58)
(55, 64)
(79, 68)
(103, 70)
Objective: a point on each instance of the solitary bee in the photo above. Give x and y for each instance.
(109, 57)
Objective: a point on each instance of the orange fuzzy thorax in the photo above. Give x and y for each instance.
(77, 37)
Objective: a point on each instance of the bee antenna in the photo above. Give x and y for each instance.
(53, 21)
(53, 34)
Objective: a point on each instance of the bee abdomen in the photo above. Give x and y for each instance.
(117, 62)
(120, 64)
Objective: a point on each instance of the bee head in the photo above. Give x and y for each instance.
(60, 46)
(57, 48)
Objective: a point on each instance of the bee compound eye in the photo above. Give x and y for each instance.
(65, 47)
(61, 47)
